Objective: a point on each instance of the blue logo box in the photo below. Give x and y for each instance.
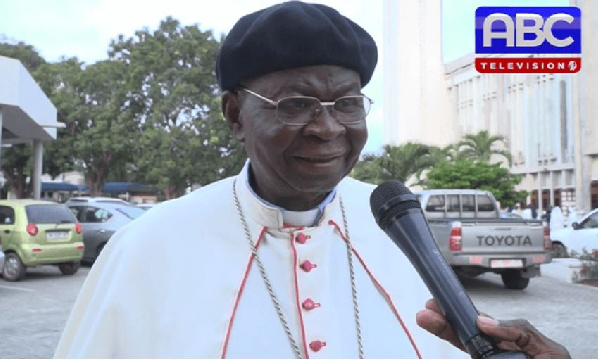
(553, 30)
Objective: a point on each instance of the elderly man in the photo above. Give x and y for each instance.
(283, 260)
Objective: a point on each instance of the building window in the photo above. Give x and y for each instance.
(557, 198)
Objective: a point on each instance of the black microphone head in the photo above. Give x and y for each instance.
(391, 199)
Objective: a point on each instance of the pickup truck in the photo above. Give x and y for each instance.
(472, 237)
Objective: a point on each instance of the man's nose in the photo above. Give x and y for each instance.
(324, 125)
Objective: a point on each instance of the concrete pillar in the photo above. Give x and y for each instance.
(38, 158)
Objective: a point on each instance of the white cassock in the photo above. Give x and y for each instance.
(181, 282)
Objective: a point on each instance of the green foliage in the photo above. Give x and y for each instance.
(397, 163)
(467, 174)
(29, 57)
(480, 147)
(149, 113)
(172, 91)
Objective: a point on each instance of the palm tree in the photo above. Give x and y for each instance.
(480, 147)
(397, 163)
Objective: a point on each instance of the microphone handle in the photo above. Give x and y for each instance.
(443, 284)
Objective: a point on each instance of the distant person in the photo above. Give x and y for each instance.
(534, 213)
(526, 213)
(285, 259)
(557, 219)
(547, 214)
(529, 212)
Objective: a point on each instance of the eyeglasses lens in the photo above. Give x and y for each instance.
(303, 110)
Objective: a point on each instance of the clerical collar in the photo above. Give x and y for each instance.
(296, 218)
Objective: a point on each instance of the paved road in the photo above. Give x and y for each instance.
(565, 312)
(33, 312)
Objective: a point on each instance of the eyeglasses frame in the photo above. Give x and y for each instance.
(323, 104)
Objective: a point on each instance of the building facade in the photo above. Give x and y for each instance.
(550, 121)
(415, 101)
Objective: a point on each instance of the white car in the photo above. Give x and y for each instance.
(581, 235)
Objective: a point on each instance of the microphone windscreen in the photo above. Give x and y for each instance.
(389, 199)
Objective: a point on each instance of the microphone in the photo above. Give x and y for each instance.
(399, 215)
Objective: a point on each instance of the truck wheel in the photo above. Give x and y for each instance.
(513, 280)
(13, 270)
(69, 268)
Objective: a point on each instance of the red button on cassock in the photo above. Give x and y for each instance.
(301, 238)
(307, 266)
(316, 345)
(309, 304)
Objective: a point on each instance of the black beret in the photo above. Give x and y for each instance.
(292, 35)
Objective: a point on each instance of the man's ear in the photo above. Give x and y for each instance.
(230, 106)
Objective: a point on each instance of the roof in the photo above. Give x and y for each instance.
(127, 187)
(26, 111)
(61, 186)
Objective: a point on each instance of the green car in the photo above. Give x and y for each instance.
(36, 233)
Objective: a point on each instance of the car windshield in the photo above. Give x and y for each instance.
(131, 212)
(48, 213)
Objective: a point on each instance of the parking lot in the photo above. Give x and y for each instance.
(35, 310)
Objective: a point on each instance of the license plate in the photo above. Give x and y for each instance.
(57, 235)
(506, 263)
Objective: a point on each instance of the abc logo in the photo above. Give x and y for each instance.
(524, 30)
(515, 31)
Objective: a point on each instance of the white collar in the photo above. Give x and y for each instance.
(272, 216)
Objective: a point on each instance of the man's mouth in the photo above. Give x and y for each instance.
(318, 159)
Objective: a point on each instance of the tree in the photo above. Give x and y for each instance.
(467, 174)
(60, 83)
(480, 146)
(173, 93)
(397, 163)
(91, 101)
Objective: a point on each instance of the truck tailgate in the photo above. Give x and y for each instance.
(502, 236)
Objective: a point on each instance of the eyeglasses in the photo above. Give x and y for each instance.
(302, 110)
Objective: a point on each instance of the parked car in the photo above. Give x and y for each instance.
(474, 238)
(98, 200)
(146, 206)
(583, 234)
(1, 257)
(100, 219)
(36, 233)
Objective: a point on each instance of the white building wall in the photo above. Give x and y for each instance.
(535, 112)
(549, 120)
(416, 107)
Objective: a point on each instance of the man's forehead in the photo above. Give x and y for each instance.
(325, 77)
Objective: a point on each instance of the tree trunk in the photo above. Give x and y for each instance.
(171, 192)
(17, 183)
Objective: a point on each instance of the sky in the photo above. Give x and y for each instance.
(84, 28)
